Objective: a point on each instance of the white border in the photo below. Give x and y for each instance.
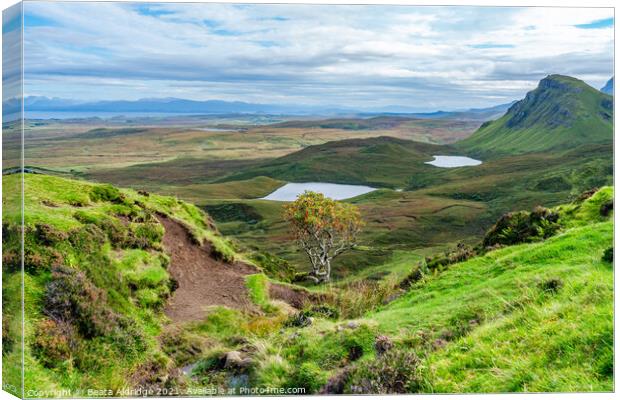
(506, 3)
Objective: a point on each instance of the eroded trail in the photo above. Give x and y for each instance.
(203, 280)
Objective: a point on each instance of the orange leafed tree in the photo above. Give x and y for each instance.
(324, 228)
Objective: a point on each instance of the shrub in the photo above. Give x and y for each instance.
(462, 252)
(87, 239)
(48, 235)
(72, 298)
(414, 276)
(462, 323)
(106, 193)
(522, 226)
(396, 371)
(608, 255)
(53, 342)
(38, 259)
(112, 228)
(298, 320)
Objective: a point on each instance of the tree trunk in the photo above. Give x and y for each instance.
(328, 270)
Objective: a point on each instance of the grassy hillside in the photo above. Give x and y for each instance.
(100, 274)
(96, 282)
(381, 162)
(529, 317)
(561, 113)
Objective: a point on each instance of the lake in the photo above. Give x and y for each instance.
(453, 161)
(290, 191)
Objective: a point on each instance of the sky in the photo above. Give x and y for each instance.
(366, 57)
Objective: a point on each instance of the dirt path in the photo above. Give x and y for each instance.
(203, 280)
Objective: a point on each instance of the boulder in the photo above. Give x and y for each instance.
(236, 360)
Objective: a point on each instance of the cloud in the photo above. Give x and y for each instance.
(357, 56)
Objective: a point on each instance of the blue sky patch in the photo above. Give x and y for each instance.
(598, 24)
(31, 21)
(145, 9)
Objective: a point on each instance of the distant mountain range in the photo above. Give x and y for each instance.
(169, 105)
(561, 113)
(483, 114)
(219, 107)
(609, 87)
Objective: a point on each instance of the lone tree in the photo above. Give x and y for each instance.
(324, 228)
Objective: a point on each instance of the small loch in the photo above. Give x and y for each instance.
(335, 191)
(453, 161)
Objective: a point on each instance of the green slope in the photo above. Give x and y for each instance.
(561, 113)
(532, 317)
(381, 162)
(96, 282)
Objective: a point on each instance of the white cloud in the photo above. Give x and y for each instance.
(358, 55)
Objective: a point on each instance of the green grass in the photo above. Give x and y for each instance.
(258, 290)
(561, 344)
(486, 285)
(524, 338)
(588, 211)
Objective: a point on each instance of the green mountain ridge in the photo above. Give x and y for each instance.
(561, 113)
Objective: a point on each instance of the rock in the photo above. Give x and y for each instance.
(352, 325)
(235, 360)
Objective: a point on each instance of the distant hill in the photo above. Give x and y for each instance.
(380, 162)
(561, 113)
(169, 105)
(482, 114)
(42, 104)
(609, 87)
